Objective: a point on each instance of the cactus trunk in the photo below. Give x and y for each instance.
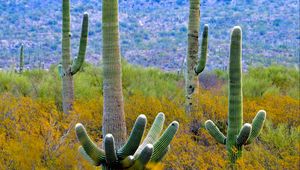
(113, 113)
(194, 65)
(67, 93)
(68, 69)
(67, 79)
(192, 55)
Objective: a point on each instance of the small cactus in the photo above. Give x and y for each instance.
(238, 134)
(21, 66)
(132, 155)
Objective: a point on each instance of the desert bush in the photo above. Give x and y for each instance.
(35, 134)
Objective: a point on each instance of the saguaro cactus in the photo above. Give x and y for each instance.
(21, 65)
(237, 133)
(132, 155)
(113, 111)
(192, 69)
(68, 69)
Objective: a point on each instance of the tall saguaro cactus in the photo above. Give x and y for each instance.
(113, 113)
(21, 64)
(238, 134)
(192, 68)
(68, 68)
(116, 154)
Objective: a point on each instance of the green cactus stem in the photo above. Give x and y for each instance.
(134, 139)
(243, 136)
(238, 134)
(257, 125)
(21, 66)
(153, 133)
(143, 158)
(130, 156)
(215, 132)
(204, 48)
(163, 142)
(69, 69)
(109, 148)
(90, 148)
(78, 61)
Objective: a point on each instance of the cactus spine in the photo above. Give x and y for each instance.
(192, 68)
(238, 134)
(68, 69)
(113, 113)
(131, 155)
(21, 66)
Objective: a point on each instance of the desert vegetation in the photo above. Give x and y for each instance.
(81, 115)
(33, 120)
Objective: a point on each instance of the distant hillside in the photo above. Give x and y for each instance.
(153, 32)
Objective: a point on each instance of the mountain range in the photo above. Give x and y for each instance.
(153, 33)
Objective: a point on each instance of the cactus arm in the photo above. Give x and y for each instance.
(214, 131)
(60, 70)
(204, 46)
(134, 139)
(244, 134)
(111, 159)
(163, 142)
(143, 158)
(110, 151)
(162, 154)
(153, 133)
(96, 154)
(127, 162)
(257, 125)
(82, 47)
(86, 156)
